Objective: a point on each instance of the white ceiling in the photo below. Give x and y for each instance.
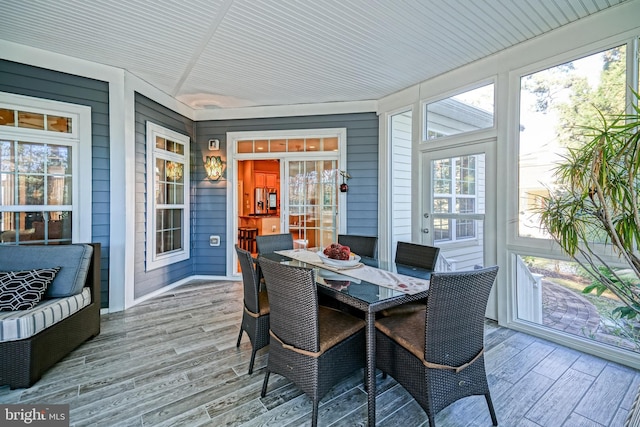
(237, 53)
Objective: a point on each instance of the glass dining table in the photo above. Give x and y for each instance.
(365, 296)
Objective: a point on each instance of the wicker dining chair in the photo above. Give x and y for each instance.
(365, 246)
(413, 259)
(255, 315)
(416, 255)
(313, 346)
(437, 354)
(274, 242)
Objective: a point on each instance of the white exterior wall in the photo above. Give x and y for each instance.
(400, 179)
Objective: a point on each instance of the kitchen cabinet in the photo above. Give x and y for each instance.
(272, 180)
(265, 179)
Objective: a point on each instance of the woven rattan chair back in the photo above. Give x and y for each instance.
(294, 304)
(361, 245)
(437, 353)
(415, 255)
(454, 319)
(250, 281)
(274, 242)
(255, 314)
(315, 347)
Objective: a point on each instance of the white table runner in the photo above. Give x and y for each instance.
(399, 282)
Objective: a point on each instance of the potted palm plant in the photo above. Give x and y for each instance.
(594, 211)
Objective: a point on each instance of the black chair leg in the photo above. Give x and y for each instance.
(491, 410)
(264, 384)
(239, 337)
(314, 414)
(253, 358)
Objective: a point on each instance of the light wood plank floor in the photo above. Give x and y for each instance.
(172, 361)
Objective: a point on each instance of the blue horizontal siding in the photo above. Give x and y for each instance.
(146, 282)
(41, 83)
(210, 203)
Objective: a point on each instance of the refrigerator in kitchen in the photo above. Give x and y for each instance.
(261, 201)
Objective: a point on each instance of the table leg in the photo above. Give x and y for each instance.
(371, 367)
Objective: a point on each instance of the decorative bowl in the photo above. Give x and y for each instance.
(351, 262)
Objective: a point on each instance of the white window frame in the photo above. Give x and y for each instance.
(514, 239)
(79, 140)
(463, 135)
(515, 244)
(154, 260)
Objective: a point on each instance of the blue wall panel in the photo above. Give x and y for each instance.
(149, 281)
(37, 82)
(210, 199)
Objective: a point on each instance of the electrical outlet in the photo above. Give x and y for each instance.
(214, 240)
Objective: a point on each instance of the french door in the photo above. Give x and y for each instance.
(312, 201)
(308, 198)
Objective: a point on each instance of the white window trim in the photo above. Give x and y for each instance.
(514, 239)
(467, 136)
(79, 139)
(514, 244)
(233, 156)
(154, 260)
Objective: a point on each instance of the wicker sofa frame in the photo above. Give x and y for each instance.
(23, 362)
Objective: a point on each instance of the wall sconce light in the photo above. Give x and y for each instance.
(344, 187)
(213, 165)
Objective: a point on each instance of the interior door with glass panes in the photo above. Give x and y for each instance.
(312, 202)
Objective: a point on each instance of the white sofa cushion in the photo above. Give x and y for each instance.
(21, 324)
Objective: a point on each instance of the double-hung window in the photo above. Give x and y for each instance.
(167, 238)
(45, 171)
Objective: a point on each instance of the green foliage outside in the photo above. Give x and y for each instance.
(595, 203)
(598, 200)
